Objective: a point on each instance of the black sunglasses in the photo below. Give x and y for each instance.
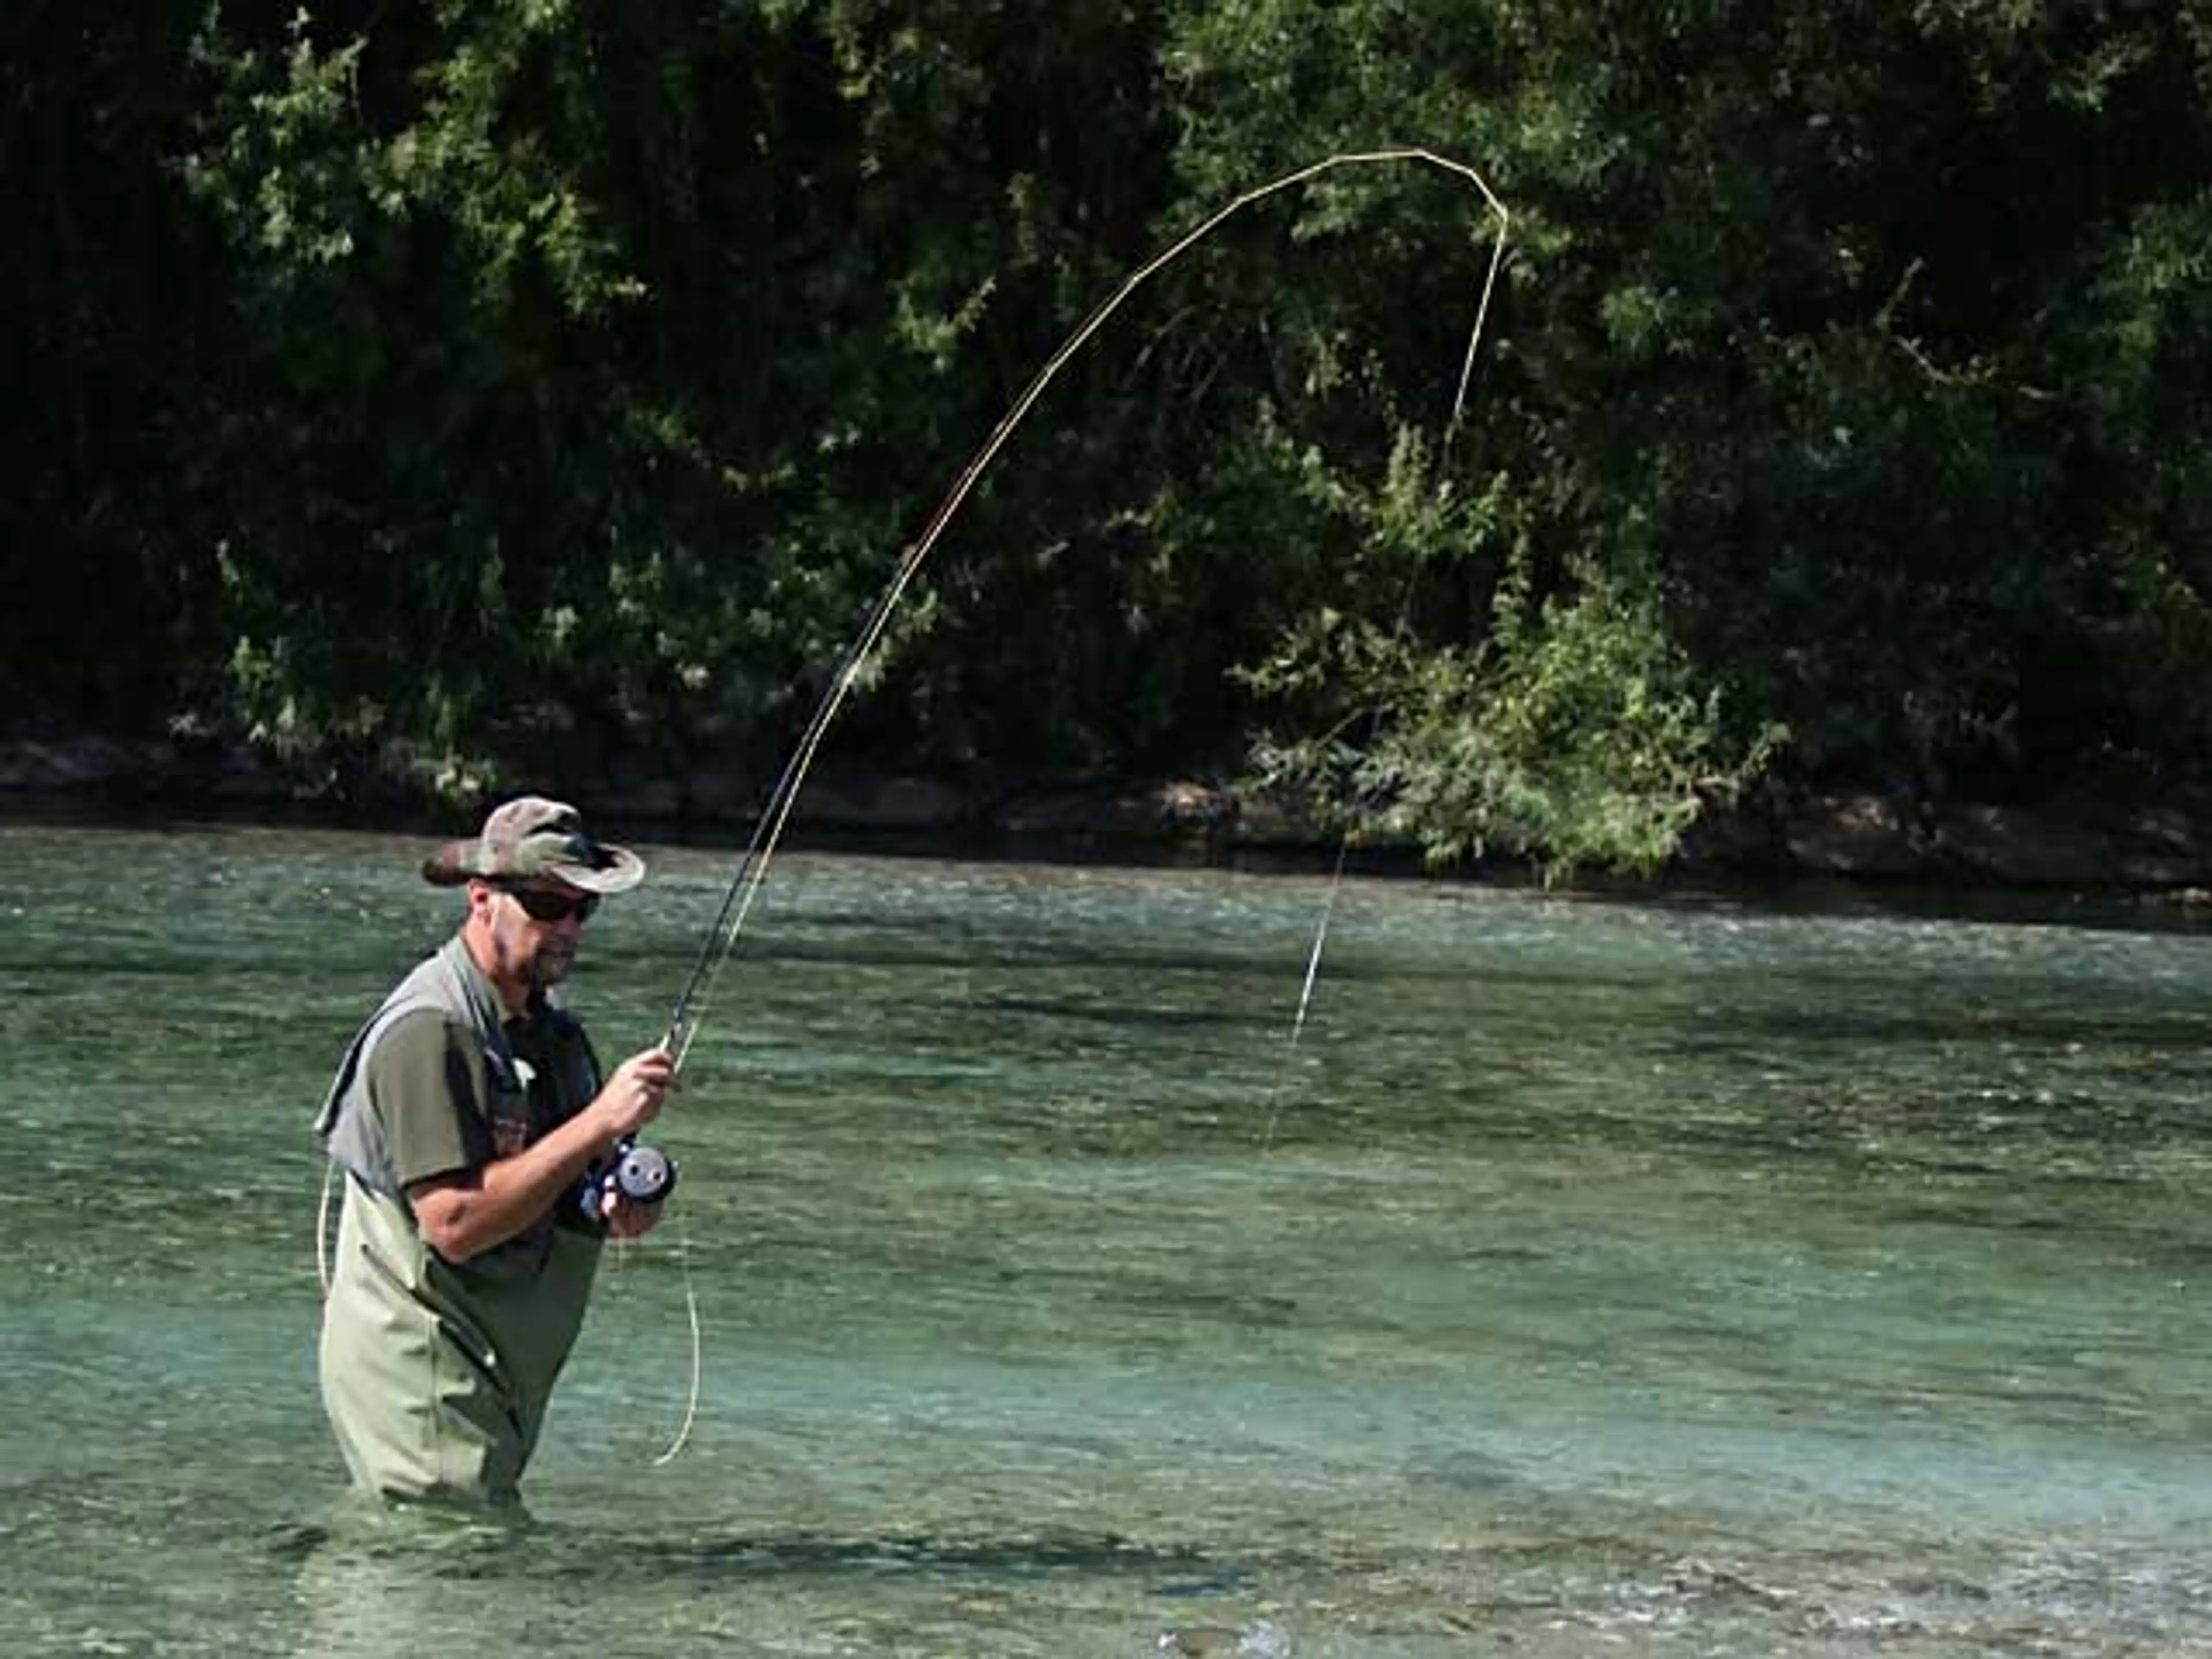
(541, 906)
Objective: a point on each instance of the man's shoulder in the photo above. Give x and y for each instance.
(417, 1032)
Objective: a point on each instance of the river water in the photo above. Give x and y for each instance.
(1591, 1276)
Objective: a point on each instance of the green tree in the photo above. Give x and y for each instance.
(417, 378)
(115, 317)
(1805, 381)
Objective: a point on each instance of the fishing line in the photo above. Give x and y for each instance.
(322, 1229)
(720, 939)
(1452, 426)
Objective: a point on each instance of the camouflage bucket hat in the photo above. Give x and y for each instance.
(532, 838)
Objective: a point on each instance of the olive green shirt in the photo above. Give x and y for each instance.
(443, 1111)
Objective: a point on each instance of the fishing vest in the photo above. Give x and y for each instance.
(448, 981)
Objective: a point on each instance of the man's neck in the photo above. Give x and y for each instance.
(514, 994)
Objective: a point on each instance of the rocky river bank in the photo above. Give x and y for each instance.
(2158, 847)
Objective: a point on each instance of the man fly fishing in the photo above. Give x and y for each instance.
(470, 1125)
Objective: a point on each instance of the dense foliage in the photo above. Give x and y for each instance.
(403, 386)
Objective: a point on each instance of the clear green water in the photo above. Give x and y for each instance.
(1593, 1277)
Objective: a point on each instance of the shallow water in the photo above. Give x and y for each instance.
(1591, 1276)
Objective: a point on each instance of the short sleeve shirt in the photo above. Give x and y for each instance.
(432, 1088)
(430, 1084)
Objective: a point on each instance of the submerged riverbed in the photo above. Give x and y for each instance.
(1697, 1276)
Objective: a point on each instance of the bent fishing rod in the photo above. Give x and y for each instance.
(720, 937)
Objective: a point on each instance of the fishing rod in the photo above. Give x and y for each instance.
(767, 829)
(719, 940)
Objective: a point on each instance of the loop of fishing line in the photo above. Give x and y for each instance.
(691, 1317)
(322, 1229)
